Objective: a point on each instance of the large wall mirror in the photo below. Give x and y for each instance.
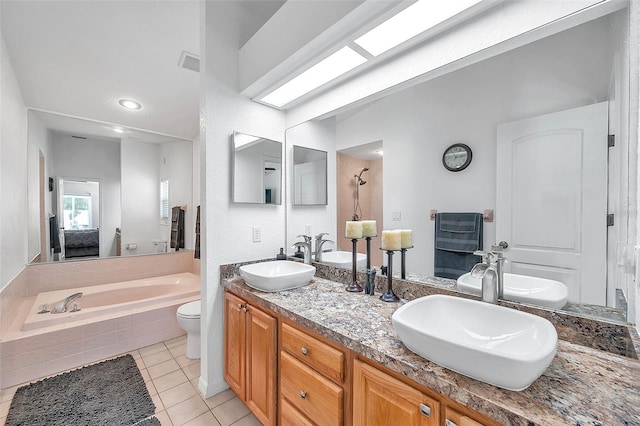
(309, 176)
(104, 194)
(257, 170)
(580, 67)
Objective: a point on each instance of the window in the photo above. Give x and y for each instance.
(77, 212)
(164, 201)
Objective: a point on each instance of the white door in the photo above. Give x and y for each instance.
(551, 198)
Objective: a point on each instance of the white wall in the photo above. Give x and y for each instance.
(39, 142)
(319, 135)
(97, 160)
(418, 124)
(140, 163)
(176, 164)
(14, 224)
(227, 227)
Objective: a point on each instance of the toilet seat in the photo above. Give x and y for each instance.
(190, 310)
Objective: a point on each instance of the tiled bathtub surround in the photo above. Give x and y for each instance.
(29, 355)
(582, 386)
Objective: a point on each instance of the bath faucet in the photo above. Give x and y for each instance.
(62, 305)
(306, 247)
(498, 252)
(487, 272)
(319, 243)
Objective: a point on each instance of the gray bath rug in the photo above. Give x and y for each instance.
(108, 393)
(149, 422)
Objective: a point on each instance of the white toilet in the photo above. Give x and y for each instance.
(189, 319)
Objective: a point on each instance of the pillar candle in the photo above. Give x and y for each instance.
(369, 228)
(391, 240)
(406, 238)
(353, 229)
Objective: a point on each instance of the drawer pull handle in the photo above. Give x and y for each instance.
(425, 409)
(303, 395)
(240, 306)
(449, 423)
(304, 351)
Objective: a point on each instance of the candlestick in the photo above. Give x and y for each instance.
(391, 240)
(354, 286)
(389, 295)
(403, 263)
(353, 229)
(369, 228)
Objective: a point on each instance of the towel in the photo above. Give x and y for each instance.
(54, 235)
(177, 228)
(457, 236)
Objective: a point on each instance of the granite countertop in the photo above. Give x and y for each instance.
(582, 386)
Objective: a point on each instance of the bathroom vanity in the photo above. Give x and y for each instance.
(334, 358)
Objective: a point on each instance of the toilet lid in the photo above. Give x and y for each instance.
(190, 310)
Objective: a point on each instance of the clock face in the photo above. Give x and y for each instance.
(457, 157)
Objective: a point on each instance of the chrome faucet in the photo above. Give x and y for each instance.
(491, 271)
(62, 305)
(319, 243)
(306, 247)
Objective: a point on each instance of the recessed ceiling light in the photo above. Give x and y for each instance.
(379, 152)
(324, 71)
(410, 22)
(129, 104)
(118, 129)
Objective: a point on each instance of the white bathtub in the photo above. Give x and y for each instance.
(114, 318)
(110, 298)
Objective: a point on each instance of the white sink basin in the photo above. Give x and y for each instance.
(497, 345)
(277, 275)
(522, 288)
(344, 259)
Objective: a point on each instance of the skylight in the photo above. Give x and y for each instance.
(324, 71)
(410, 22)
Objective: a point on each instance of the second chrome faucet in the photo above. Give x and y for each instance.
(307, 249)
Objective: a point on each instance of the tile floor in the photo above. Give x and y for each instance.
(172, 380)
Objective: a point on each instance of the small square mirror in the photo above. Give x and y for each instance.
(257, 170)
(309, 176)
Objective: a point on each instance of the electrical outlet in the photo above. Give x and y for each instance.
(307, 230)
(257, 234)
(397, 216)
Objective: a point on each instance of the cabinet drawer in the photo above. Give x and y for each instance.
(316, 397)
(324, 358)
(289, 416)
(455, 418)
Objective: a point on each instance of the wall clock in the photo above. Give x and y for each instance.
(457, 157)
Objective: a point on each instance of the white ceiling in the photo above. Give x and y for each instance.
(79, 58)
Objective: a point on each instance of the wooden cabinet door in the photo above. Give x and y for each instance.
(234, 344)
(261, 365)
(379, 399)
(455, 418)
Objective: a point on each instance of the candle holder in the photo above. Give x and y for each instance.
(369, 287)
(403, 262)
(389, 295)
(354, 287)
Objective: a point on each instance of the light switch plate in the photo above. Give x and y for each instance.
(257, 234)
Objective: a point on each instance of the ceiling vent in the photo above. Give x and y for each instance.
(189, 61)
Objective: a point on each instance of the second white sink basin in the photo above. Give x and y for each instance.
(497, 345)
(522, 288)
(344, 259)
(277, 275)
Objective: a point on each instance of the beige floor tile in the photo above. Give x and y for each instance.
(152, 349)
(145, 375)
(164, 418)
(248, 420)
(230, 412)
(182, 340)
(206, 419)
(192, 371)
(163, 368)
(157, 358)
(135, 354)
(151, 387)
(195, 382)
(4, 408)
(177, 394)
(220, 398)
(170, 380)
(187, 410)
(178, 350)
(7, 394)
(158, 403)
(3, 420)
(183, 361)
(140, 363)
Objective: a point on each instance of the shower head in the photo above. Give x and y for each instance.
(362, 182)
